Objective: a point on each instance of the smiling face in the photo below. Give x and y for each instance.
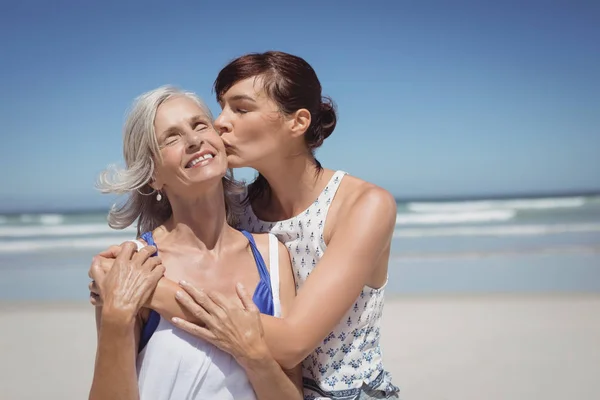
(251, 124)
(191, 150)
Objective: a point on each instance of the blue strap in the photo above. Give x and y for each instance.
(263, 295)
(154, 318)
(260, 262)
(147, 237)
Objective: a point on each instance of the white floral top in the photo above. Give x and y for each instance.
(350, 355)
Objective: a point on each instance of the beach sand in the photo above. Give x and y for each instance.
(439, 347)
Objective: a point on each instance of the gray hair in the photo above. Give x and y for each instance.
(140, 149)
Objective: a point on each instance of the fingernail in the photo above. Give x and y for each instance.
(240, 286)
(179, 295)
(182, 283)
(175, 320)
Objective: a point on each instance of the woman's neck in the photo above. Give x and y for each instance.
(201, 220)
(294, 184)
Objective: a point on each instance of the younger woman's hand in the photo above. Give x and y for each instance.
(232, 325)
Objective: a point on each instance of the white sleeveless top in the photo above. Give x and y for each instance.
(175, 365)
(350, 355)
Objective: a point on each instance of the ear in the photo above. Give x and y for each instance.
(299, 122)
(155, 183)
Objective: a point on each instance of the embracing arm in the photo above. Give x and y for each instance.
(356, 247)
(115, 375)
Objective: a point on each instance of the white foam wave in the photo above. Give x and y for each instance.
(51, 219)
(43, 219)
(498, 230)
(95, 244)
(59, 230)
(454, 217)
(516, 204)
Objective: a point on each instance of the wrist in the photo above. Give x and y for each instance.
(155, 301)
(115, 317)
(259, 358)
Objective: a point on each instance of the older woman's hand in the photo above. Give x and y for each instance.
(129, 283)
(231, 325)
(98, 270)
(101, 265)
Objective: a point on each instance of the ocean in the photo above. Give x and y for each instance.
(528, 245)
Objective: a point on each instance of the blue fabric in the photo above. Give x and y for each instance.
(154, 318)
(263, 295)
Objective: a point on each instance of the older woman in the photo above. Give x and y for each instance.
(180, 194)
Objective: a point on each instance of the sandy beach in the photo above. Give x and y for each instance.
(437, 348)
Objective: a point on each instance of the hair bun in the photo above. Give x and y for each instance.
(327, 117)
(325, 122)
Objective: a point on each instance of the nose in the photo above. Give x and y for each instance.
(193, 140)
(222, 124)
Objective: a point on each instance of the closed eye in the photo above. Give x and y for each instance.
(171, 139)
(200, 126)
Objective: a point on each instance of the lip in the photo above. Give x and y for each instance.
(229, 149)
(198, 155)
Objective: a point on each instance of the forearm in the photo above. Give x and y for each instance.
(271, 382)
(163, 302)
(288, 346)
(115, 375)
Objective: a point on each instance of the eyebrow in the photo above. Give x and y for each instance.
(242, 97)
(191, 121)
(198, 118)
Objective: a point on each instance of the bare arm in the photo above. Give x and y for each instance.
(356, 247)
(115, 375)
(126, 288)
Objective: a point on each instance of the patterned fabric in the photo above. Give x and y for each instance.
(350, 356)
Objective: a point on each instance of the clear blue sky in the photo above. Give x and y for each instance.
(434, 100)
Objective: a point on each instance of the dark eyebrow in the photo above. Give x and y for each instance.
(241, 97)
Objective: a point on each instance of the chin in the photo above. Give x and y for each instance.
(208, 173)
(235, 162)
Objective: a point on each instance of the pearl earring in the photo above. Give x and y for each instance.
(158, 197)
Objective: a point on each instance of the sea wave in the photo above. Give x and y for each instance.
(94, 243)
(42, 219)
(454, 217)
(60, 230)
(540, 250)
(497, 230)
(481, 205)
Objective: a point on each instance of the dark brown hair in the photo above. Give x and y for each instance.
(292, 84)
